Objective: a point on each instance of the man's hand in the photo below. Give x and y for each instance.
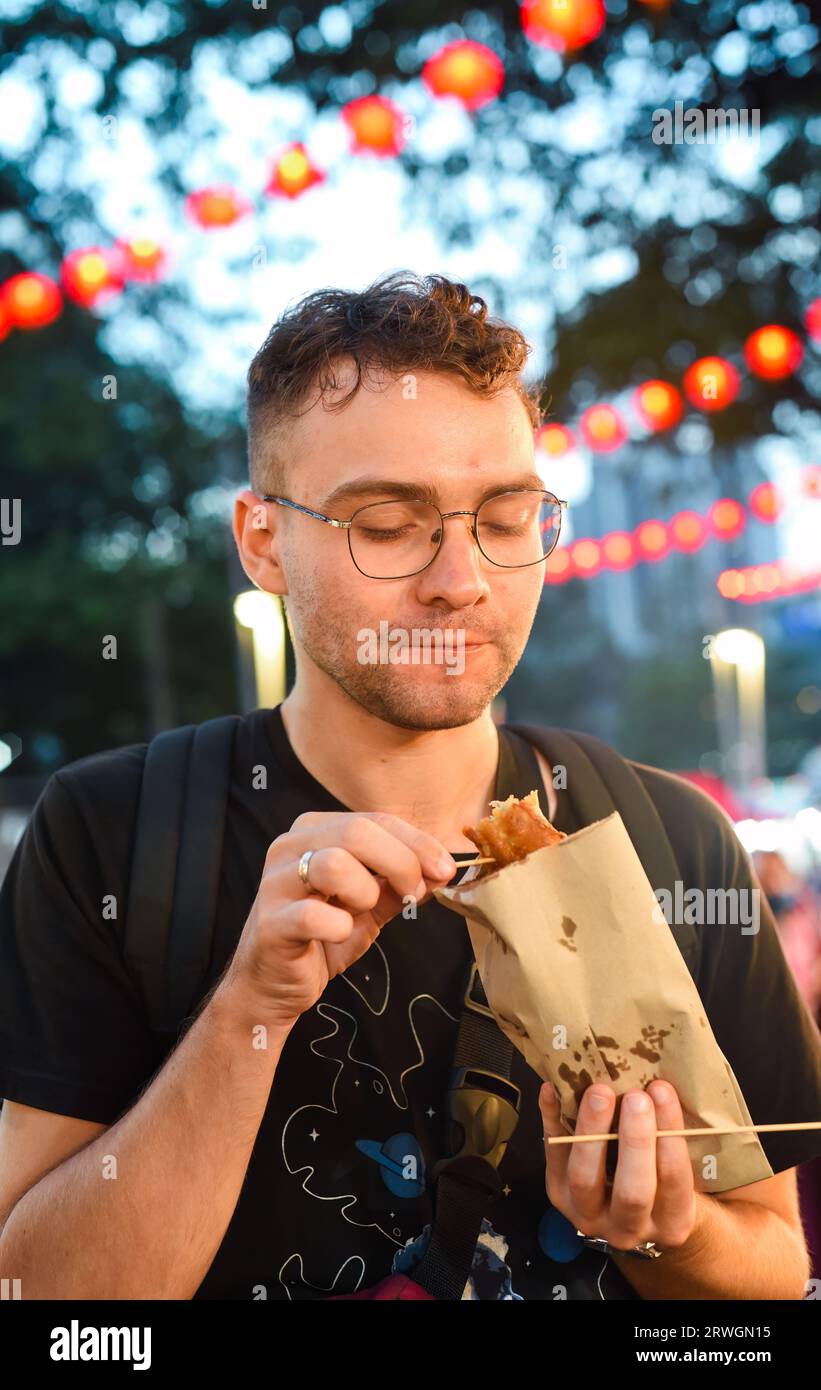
(652, 1194)
(297, 938)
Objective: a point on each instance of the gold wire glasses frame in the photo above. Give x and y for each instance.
(347, 526)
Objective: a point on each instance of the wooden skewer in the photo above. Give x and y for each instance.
(483, 859)
(685, 1133)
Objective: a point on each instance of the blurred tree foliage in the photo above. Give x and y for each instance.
(119, 534)
(113, 544)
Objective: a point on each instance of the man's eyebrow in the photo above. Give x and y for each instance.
(368, 486)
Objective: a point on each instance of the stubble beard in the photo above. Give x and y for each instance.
(395, 693)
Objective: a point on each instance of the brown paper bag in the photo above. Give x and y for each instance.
(583, 974)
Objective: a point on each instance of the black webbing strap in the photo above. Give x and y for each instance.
(175, 867)
(198, 867)
(464, 1186)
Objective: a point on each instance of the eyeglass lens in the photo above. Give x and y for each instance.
(391, 540)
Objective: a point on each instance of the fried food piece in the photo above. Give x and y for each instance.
(513, 830)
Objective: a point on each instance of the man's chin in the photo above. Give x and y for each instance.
(448, 703)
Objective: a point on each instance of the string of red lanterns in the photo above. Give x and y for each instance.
(474, 74)
(710, 384)
(653, 540)
(466, 70)
(757, 583)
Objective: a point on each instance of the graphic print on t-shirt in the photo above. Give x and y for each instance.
(364, 1144)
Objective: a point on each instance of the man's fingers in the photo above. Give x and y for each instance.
(431, 855)
(367, 840)
(336, 873)
(674, 1209)
(435, 860)
(586, 1176)
(555, 1158)
(635, 1182)
(314, 920)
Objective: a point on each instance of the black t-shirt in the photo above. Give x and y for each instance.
(326, 1207)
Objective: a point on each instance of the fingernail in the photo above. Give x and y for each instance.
(597, 1101)
(548, 1092)
(445, 866)
(637, 1103)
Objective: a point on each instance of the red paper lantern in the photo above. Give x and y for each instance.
(293, 172)
(712, 383)
(812, 321)
(688, 531)
(31, 300)
(6, 324)
(219, 206)
(727, 518)
(658, 405)
(563, 25)
(811, 481)
(652, 540)
(558, 566)
(773, 352)
(377, 126)
(466, 70)
(554, 440)
(602, 428)
(586, 557)
(730, 583)
(768, 577)
(93, 273)
(618, 550)
(766, 502)
(143, 258)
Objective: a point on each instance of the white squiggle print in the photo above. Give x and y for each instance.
(376, 1012)
(327, 1011)
(352, 1259)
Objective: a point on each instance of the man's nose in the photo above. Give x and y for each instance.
(458, 575)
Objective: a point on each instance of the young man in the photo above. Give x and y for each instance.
(282, 1147)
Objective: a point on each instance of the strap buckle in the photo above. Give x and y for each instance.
(474, 997)
(482, 1105)
(483, 1112)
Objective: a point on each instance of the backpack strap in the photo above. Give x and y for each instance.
(482, 1103)
(601, 781)
(175, 867)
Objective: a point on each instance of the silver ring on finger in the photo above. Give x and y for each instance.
(302, 868)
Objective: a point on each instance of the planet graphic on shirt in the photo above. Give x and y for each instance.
(400, 1161)
(557, 1237)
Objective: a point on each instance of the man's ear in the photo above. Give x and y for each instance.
(256, 532)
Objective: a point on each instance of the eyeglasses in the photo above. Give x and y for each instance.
(393, 540)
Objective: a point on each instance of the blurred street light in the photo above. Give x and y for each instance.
(737, 659)
(262, 614)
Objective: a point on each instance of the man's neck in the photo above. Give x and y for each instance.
(438, 780)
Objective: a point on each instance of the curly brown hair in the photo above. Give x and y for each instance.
(401, 323)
